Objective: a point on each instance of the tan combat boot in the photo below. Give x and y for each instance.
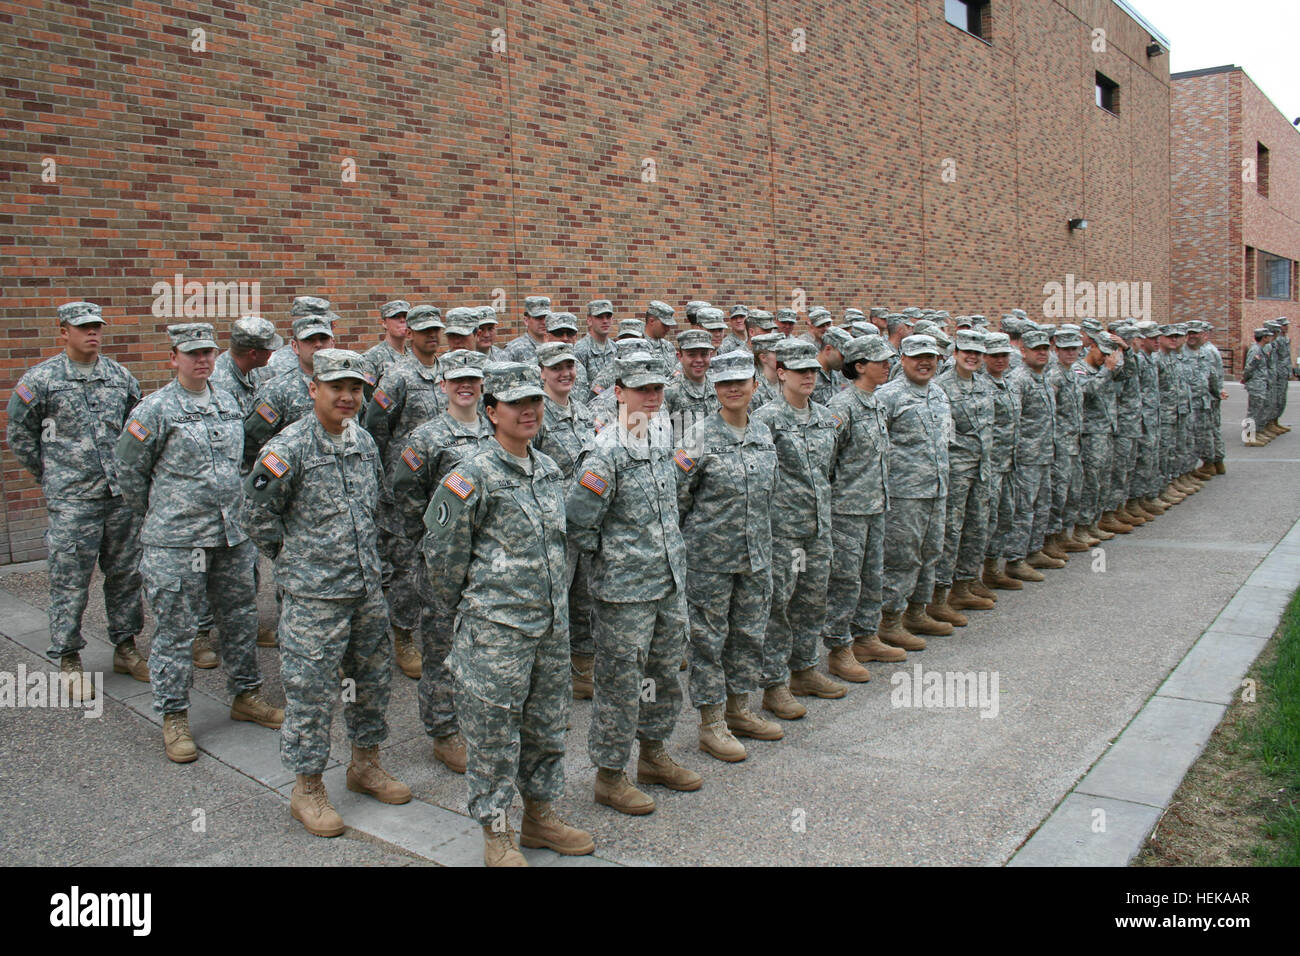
(841, 663)
(1171, 495)
(1084, 536)
(1205, 472)
(1041, 561)
(743, 722)
(918, 622)
(1097, 532)
(499, 848)
(1130, 514)
(715, 737)
(1068, 542)
(202, 652)
(811, 682)
(893, 633)
(177, 739)
(1109, 522)
(938, 609)
(613, 789)
(962, 597)
(1220, 468)
(543, 829)
(127, 660)
(1283, 429)
(995, 577)
(407, 654)
(872, 648)
(365, 775)
(1148, 508)
(1053, 548)
(449, 750)
(310, 805)
(251, 705)
(1021, 571)
(978, 589)
(655, 767)
(779, 701)
(582, 667)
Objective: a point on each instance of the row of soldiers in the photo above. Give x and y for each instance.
(884, 496)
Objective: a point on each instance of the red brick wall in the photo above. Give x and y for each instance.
(525, 170)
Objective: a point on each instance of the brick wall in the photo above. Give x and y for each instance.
(623, 150)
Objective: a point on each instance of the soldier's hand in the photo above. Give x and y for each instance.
(1224, 395)
(1113, 359)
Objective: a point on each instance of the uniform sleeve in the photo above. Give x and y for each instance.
(261, 423)
(689, 471)
(454, 513)
(137, 450)
(133, 394)
(269, 489)
(385, 411)
(26, 411)
(412, 485)
(594, 486)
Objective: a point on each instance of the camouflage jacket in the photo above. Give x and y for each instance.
(428, 453)
(828, 385)
(63, 424)
(970, 446)
(565, 433)
(1149, 378)
(282, 360)
(1209, 363)
(378, 358)
(1097, 387)
(764, 393)
(1254, 373)
(805, 455)
(595, 359)
(522, 349)
(724, 496)
(1006, 423)
(1036, 438)
(860, 470)
(277, 404)
(919, 423)
(687, 403)
(1195, 377)
(665, 349)
(227, 376)
(178, 463)
(1175, 389)
(1128, 398)
(312, 508)
(732, 342)
(406, 397)
(1069, 407)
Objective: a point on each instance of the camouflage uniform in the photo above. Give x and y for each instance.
(277, 404)
(829, 384)
(1002, 485)
(378, 359)
(595, 359)
(1097, 445)
(227, 377)
(1128, 428)
(1067, 465)
(1193, 389)
(687, 403)
(1212, 362)
(1035, 450)
(522, 349)
(1254, 375)
(63, 423)
(970, 450)
(1147, 476)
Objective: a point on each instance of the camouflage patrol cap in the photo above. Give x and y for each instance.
(1035, 338)
(694, 339)
(254, 332)
(192, 336)
(395, 308)
(330, 365)
(305, 326)
(868, 348)
(600, 307)
(1178, 328)
(460, 321)
(630, 346)
(894, 319)
(424, 317)
(963, 322)
(80, 313)
(862, 328)
(927, 327)
(1125, 330)
(693, 307)
(912, 312)
(735, 366)
(1020, 313)
(1282, 320)
(758, 319)
(560, 321)
(1148, 329)
(485, 314)
(920, 345)
(553, 353)
(462, 363)
(766, 342)
(710, 318)
(536, 306)
(978, 321)
(968, 340)
(1260, 333)
(798, 355)
(631, 328)
(997, 343)
(941, 316)
(818, 316)
(877, 312)
(739, 310)
(836, 338)
(1067, 337)
(786, 315)
(512, 381)
(661, 311)
(1101, 339)
(311, 305)
(641, 369)
(853, 315)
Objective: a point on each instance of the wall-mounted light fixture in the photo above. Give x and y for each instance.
(1078, 224)
(1155, 48)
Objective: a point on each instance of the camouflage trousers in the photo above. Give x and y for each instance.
(966, 527)
(1002, 508)
(1205, 433)
(1186, 456)
(1147, 482)
(321, 638)
(801, 568)
(1169, 451)
(1033, 508)
(512, 694)
(79, 534)
(1096, 450)
(637, 695)
(579, 564)
(913, 544)
(434, 692)
(1217, 450)
(728, 614)
(1067, 489)
(854, 593)
(402, 567)
(1123, 464)
(174, 580)
(1255, 412)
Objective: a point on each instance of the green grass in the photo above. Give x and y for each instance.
(1274, 740)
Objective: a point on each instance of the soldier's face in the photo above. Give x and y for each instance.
(536, 324)
(876, 373)
(335, 401)
(455, 342)
(599, 325)
(563, 335)
(1035, 358)
(559, 378)
(487, 336)
(308, 347)
(969, 360)
(83, 341)
(463, 392)
(786, 326)
(880, 323)
(717, 336)
(919, 369)
(799, 382)
(193, 368)
(767, 360)
(518, 420)
(654, 328)
(395, 327)
(646, 400)
(997, 364)
(425, 342)
(695, 362)
(737, 324)
(735, 396)
(1066, 356)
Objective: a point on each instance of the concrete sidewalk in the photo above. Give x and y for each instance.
(860, 780)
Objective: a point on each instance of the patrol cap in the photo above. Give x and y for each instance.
(818, 316)
(630, 346)
(1020, 313)
(852, 315)
(694, 339)
(997, 343)
(661, 311)
(894, 319)
(920, 345)
(798, 355)
(1011, 325)
(424, 317)
(535, 305)
(463, 363)
(978, 321)
(309, 305)
(868, 348)
(941, 316)
(969, 340)
(735, 366)
(710, 318)
(878, 312)
(1034, 338)
(1178, 328)
(80, 313)
(641, 369)
(1067, 339)
(836, 338)
(758, 319)
(460, 321)
(912, 312)
(963, 322)
(787, 315)
(631, 328)
(511, 381)
(693, 307)
(600, 307)
(739, 310)
(254, 332)
(862, 327)
(766, 342)
(191, 336)
(926, 327)
(1261, 332)
(330, 365)
(1126, 331)
(1148, 329)
(559, 321)
(553, 353)
(390, 309)
(1102, 339)
(485, 314)
(305, 326)
(1282, 320)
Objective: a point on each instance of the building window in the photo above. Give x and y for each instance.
(969, 15)
(1261, 169)
(1274, 276)
(1107, 94)
(1249, 273)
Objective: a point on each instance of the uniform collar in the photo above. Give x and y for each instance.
(326, 444)
(510, 461)
(95, 374)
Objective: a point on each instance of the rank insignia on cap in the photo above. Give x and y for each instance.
(268, 413)
(593, 483)
(275, 464)
(462, 488)
(413, 461)
(382, 399)
(684, 461)
(24, 393)
(138, 430)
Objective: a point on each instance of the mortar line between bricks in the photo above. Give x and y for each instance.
(1156, 694)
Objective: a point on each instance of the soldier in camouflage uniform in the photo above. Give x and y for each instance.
(830, 378)
(1067, 466)
(1281, 342)
(1177, 441)
(786, 321)
(286, 357)
(819, 320)
(1147, 473)
(737, 337)
(1002, 489)
(660, 326)
(1209, 385)
(768, 384)
(1213, 363)
(312, 496)
(64, 417)
(178, 462)
(1094, 372)
(623, 507)
(392, 319)
(1254, 375)
(727, 467)
(252, 340)
(524, 348)
(595, 350)
(712, 321)
(563, 327)
(1035, 451)
(284, 399)
(485, 333)
(1127, 386)
(689, 398)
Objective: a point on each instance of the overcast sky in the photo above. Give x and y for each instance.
(1260, 36)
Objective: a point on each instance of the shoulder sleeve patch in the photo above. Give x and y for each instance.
(25, 393)
(412, 459)
(268, 413)
(275, 464)
(835, 417)
(370, 379)
(593, 483)
(381, 399)
(684, 461)
(137, 430)
(456, 484)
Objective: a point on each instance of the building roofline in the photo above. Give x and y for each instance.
(1226, 68)
(1143, 22)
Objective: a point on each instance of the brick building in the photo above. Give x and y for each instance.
(1235, 163)
(906, 152)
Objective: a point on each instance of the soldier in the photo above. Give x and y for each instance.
(786, 320)
(64, 417)
(819, 320)
(1254, 375)
(859, 499)
(313, 495)
(830, 380)
(1212, 361)
(1094, 372)
(624, 509)
(737, 337)
(1002, 489)
(1067, 466)
(659, 322)
(876, 315)
(727, 467)
(252, 340)
(689, 398)
(1035, 450)
(1147, 473)
(428, 453)
(485, 333)
(1182, 455)
(711, 321)
(917, 414)
(563, 327)
(524, 348)
(758, 322)
(604, 407)
(692, 311)
(1127, 386)
(595, 350)
(178, 461)
(768, 384)
(286, 358)
(495, 552)
(1282, 342)
(1209, 385)
(392, 319)
(284, 399)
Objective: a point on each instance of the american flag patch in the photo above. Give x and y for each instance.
(597, 389)
(413, 461)
(382, 399)
(268, 413)
(684, 462)
(370, 379)
(24, 393)
(275, 464)
(839, 422)
(459, 485)
(593, 482)
(138, 430)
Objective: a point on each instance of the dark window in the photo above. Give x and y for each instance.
(969, 15)
(1251, 278)
(1261, 169)
(1107, 94)
(1274, 276)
